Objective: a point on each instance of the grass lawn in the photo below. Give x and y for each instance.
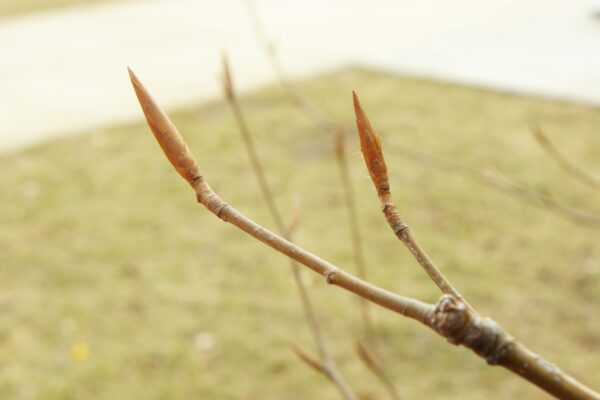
(116, 284)
(14, 7)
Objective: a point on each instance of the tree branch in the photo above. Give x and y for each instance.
(370, 144)
(563, 162)
(375, 366)
(449, 317)
(321, 119)
(291, 224)
(309, 360)
(354, 226)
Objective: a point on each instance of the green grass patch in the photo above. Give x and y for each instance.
(116, 284)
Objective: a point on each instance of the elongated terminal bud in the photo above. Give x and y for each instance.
(166, 134)
(370, 145)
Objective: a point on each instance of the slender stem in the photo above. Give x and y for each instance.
(563, 162)
(291, 224)
(370, 144)
(333, 275)
(506, 185)
(357, 242)
(450, 317)
(324, 353)
(309, 360)
(375, 366)
(312, 111)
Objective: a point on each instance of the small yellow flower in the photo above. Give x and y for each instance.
(80, 351)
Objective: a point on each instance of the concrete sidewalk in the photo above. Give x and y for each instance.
(65, 71)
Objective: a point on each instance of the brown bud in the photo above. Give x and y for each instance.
(166, 134)
(370, 145)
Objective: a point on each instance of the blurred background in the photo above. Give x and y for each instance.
(114, 283)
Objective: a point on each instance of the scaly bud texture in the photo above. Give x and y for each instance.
(166, 134)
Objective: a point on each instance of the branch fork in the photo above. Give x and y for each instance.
(451, 317)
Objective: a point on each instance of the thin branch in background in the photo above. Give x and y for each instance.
(372, 362)
(357, 242)
(309, 360)
(328, 124)
(324, 353)
(510, 353)
(570, 167)
(450, 317)
(294, 218)
(322, 120)
(505, 185)
(535, 198)
(370, 145)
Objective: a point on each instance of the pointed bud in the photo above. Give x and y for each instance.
(166, 134)
(370, 145)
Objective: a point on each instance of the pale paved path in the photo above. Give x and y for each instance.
(65, 71)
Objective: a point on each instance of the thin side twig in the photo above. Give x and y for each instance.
(509, 353)
(570, 167)
(372, 362)
(505, 185)
(450, 317)
(326, 359)
(309, 360)
(357, 242)
(370, 145)
(291, 224)
(321, 119)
